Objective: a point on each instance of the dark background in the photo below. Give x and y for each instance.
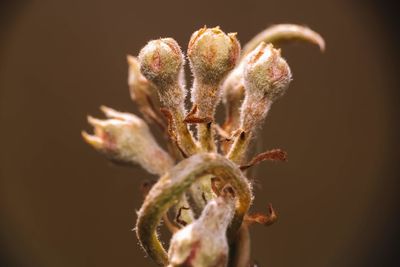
(62, 204)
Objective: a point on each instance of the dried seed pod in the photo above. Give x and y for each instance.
(126, 138)
(204, 242)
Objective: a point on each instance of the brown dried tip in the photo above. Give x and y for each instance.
(192, 118)
(260, 218)
(271, 155)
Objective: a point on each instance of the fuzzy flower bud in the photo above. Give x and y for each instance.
(267, 73)
(161, 61)
(203, 242)
(126, 138)
(266, 78)
(212, 53)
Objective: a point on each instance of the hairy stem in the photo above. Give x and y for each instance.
(284, 32)
(172, 185)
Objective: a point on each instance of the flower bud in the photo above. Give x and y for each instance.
(126, 138)
(212, 54)
(266, 78)
(266, 73)
(161, 61)
(204, 242)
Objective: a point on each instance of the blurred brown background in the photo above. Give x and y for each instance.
(62, 204)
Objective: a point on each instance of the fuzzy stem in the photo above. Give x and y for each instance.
(185, 137)
(239, 147)
(253, 112)
(206, 97)
(172, 185)
(206, 137)
(282, 32)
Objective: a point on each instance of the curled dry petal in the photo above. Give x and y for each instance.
(126, 138)
(261, 218)
(270, 155)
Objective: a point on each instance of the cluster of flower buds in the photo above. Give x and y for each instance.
(204, 199)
